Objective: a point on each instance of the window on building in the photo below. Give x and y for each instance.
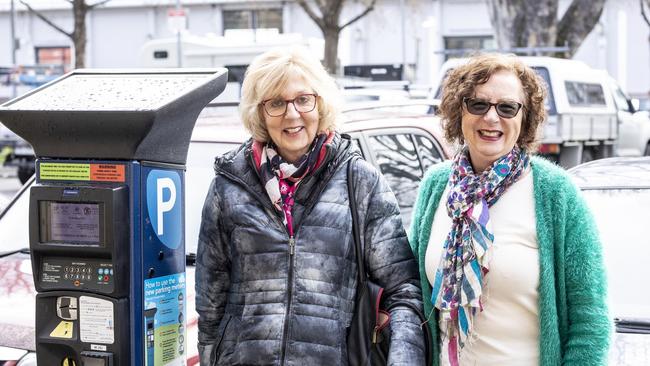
(53, 56)
(252, 19)
(462, 46)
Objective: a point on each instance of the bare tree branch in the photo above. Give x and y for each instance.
(368, 9)
(645, 16)
(100, 3)
(46, 20)
(328, 22)
(319, 21)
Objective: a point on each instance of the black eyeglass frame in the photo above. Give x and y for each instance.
(466, 100)
(286, 104)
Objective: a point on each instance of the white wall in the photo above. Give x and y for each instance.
(620, 43)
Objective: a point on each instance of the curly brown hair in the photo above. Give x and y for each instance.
(462, 81)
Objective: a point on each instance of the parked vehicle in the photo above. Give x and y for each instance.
(19, 153)
(362, 95)
(633, 125)
(402, 146)
(582, 116)
(16, 152)
(618, 192)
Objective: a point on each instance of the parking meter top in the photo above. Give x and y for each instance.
(109, 114)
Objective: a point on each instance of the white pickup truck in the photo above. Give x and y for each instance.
(583, 120)
(633, 125)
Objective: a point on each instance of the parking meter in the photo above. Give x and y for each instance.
(106, 216)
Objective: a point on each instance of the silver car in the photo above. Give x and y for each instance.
(618, 192)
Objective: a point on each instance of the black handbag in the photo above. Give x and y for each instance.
(369, 333)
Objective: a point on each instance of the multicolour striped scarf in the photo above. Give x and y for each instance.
(280, 178)
(464, 263)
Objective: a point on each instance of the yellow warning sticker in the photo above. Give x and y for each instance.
(64, 171)
(63, 330)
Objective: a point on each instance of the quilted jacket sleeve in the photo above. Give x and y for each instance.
(390, 262)
(212, 275)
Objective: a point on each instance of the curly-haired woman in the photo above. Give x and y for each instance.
(510, 259)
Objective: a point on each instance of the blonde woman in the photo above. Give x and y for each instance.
(276, 268)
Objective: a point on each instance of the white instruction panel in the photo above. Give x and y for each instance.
(96, 320)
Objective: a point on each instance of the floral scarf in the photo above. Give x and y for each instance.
(280, 178)
(459, 280)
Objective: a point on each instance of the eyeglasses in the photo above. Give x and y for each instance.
(479, 107)
(277, 107)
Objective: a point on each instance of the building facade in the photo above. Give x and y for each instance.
(411, 32)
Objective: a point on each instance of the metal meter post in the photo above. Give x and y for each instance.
(107, 211)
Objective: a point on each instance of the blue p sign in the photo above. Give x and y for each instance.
(164, 206)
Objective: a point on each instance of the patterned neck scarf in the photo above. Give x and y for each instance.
(280, 178)
(460, 276)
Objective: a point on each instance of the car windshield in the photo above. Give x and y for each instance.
(14, 223)
(621, 217)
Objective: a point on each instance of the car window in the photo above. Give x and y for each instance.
(621, 218)
(549, 101)
(584, 94)
(621, 100)
(397, 159)
(428, 151)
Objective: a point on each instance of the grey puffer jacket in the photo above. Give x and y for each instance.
(263, 301)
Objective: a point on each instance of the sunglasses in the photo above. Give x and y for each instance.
(479, 107)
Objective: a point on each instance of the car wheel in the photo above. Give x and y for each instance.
(24, 174)
(647, 150)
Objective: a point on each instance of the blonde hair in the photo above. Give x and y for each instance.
(267, 77)
(462, 81)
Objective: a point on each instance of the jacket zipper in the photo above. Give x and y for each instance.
(292, 252)
(285, 331)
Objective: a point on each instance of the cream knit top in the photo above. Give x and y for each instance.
(507, 331)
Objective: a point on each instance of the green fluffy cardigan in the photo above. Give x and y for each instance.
(573, 320)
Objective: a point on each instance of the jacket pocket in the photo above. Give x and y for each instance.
(216, 351)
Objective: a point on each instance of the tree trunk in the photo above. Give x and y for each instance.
(331, 50)
(533, 23)
(577, 22)
(502, 19)
(80, 9)
(523, 23)
(328, 22)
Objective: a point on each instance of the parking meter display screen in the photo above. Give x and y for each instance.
(71, 223)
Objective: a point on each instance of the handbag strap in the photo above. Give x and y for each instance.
(361, 269)
(356, 233)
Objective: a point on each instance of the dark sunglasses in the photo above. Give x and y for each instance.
(479, 107)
